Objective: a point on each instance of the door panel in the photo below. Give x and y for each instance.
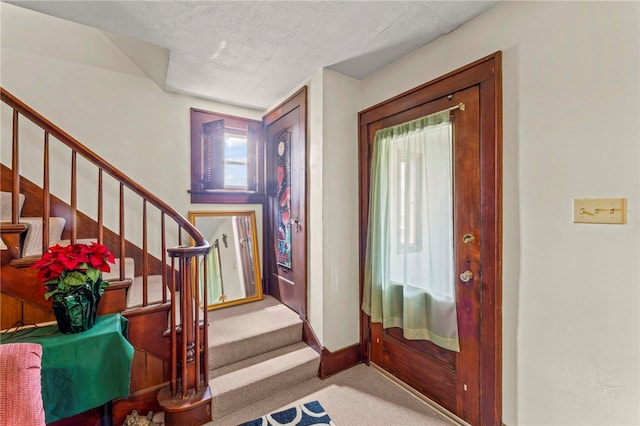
(436, 372)
(436, 353)
(436, 381)
(286, 253)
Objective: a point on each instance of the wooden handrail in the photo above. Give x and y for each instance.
(188, 378)
(100, 162)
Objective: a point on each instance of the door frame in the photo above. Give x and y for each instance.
(487, 74)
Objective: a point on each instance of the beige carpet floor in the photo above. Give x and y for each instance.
(358, 396)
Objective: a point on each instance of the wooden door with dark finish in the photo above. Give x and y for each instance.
(286, 224)
(467, 383)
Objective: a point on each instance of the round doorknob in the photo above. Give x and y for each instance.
(466, 276)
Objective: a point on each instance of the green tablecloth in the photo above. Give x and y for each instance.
(84, 370)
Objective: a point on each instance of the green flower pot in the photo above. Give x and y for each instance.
(76, 312)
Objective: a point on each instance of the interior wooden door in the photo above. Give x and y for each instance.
(286, 224)
(466, 382)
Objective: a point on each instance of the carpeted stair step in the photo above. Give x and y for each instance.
(154, 291)
(114, 273)
(244, 331)
(246, 382)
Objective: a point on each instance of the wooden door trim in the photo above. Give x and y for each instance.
(297, 100)
(487, 74)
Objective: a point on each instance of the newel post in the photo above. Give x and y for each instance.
(187, 399)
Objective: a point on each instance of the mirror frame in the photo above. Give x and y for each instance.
(257, 272)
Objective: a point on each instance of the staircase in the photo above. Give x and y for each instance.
(190, 364)
(255, 350)
(169, 368)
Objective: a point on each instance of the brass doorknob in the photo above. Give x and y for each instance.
(468, 238)
(466, 276)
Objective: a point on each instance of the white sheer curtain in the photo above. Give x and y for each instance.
(409, 269)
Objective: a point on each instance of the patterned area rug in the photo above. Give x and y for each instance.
(310, 413)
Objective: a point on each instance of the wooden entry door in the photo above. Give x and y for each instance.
(286, 224)
(466, 382)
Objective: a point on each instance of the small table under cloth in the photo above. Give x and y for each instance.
(81, 371)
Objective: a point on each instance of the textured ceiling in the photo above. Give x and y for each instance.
(253, 53)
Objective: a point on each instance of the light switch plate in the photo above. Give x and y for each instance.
(600, 210)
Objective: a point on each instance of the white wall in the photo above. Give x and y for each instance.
(315, 161)
(571, 129)
(341, 305)
(77, 78)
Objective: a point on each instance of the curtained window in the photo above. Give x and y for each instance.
(409, 263)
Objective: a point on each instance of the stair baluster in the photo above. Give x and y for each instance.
(188, 334)
(46, 200)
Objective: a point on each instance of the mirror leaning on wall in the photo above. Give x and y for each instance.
(233, 265)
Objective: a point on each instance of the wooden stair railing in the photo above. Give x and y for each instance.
(186, 399)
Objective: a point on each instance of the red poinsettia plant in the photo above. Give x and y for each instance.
(63, 270)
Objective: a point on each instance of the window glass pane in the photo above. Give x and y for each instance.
(235, 148)
(235, 161)
(409, 169)
(235, 176)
